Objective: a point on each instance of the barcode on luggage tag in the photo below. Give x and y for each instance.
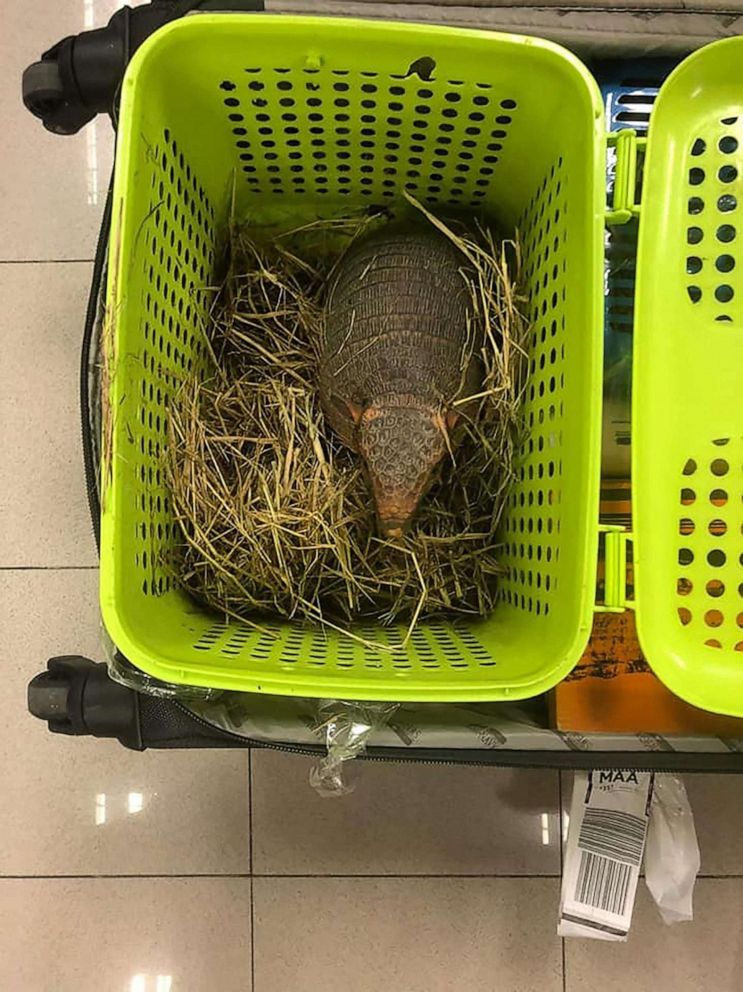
(610, 845)
(612, 833)
(603, 883)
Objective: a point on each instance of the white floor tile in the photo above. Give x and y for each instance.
(44, 518)
(125, 935)
(411, 935)
(405, 819)
(701, 956)
(79, 806)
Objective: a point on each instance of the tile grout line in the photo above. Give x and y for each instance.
(115, 878)
(46, 261)
(560, 807)
(250, 855)
(306, 875)
(564, 973)
(391, 876)
(49, 568)
(562, 855)
(250, 808)
(407, 875)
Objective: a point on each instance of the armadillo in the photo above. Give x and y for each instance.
(399, 348)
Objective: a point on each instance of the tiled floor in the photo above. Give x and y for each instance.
(193, 871)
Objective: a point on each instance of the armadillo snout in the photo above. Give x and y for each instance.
(393, 520)
(402, 447)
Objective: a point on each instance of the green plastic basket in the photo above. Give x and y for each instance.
(313, 117)
(688, 391)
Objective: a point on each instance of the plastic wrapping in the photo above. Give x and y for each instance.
(671, 850)
(345, 728)
(125, 673)
(439, 726)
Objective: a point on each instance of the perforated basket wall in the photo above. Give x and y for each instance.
(688, 406)
(311, 117)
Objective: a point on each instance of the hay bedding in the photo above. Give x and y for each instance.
(276, 515)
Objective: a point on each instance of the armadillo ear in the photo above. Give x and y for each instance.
(346, 407)
(446, 422)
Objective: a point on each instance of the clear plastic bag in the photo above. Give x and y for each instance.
(345, 728)
(122, 671)
(671, 850)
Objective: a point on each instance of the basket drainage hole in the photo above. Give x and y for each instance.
(694, 235)
(699, 147)
(726, 203)
(684, 615)
(684, 587)
(716, 558)
(714, 618)
(695, 293)
(696, 176)
(690, 467)
(718, 497)
(713, 643)
(724, 293)
(724, 263)
(726, 233)
(693, 265)
(715, 588)
(695, 205)
(719, 467)
(727, 174)
(728, 144)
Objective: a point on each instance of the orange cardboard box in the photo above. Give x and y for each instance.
(613, 689)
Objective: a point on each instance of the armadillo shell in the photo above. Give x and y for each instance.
(398, 322)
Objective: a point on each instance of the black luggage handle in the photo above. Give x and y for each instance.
(81, 75)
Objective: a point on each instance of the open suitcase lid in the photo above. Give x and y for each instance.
(687, 414)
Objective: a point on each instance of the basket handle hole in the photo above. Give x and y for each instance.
(423, 68)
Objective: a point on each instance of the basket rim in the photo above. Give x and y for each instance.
(282, 681)
(381, 26)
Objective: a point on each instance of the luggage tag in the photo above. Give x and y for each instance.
(608, 823)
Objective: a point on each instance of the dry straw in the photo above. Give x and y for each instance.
(276, 515)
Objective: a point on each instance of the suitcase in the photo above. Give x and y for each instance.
(77, 696)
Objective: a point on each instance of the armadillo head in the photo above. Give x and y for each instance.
(401, 444)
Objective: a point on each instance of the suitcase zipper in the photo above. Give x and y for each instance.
(675, 761)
